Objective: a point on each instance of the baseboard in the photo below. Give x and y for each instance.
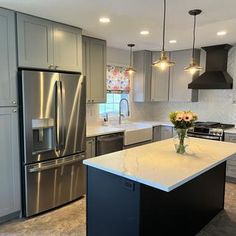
(230, 179)
(12, 216)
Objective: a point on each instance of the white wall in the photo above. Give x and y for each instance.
(213, 105)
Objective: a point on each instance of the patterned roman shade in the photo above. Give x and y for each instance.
(118, 80)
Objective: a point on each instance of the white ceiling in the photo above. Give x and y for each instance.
(129, 17)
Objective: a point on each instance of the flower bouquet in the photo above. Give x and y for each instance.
(182, 121)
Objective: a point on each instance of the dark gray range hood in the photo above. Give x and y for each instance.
(215, 76)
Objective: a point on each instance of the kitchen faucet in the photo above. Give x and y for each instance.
(120, 114)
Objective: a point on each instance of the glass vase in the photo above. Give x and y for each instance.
(181, 141)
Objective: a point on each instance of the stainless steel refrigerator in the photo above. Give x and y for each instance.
(53, 128)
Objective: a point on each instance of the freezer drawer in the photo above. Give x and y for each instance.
(109, 143)
(53, 183)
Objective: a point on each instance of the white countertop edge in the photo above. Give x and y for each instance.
(95, 134)
(114, 130)
(150, 183)
(197, 174)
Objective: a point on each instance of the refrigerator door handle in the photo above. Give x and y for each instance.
(62, 141)
(52, 166)
(58, 114)
(64, 162)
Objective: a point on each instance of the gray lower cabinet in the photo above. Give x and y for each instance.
(48, 45)
(8, 68)
(231, 163)
(142, 78)
(94, 68)
(90, 147)
(166, 132)
(160, 82)
(162, 132)
(179, 79)
(10, 195)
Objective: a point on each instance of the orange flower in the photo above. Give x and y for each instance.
(179, 116)
(188, 116)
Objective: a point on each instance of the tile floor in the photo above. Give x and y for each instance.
(70, 220)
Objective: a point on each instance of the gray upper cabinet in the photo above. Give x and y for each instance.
(45, 44)
(35, 42)
(179, 79)
(94, 68)
(160, 82)
(142, 61)
(8, 68)
(86, 66)
(10, 195)
(67, 47)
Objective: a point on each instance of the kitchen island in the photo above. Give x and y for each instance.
(151, 190)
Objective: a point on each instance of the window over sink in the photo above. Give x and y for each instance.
(118, 87)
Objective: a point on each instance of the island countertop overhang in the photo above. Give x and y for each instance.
(157, 165)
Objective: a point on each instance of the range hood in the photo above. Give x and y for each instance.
(215, 76)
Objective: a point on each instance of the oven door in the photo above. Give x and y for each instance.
(205, 136)
(53, 183)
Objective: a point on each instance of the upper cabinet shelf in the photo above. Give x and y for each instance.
(44, 44)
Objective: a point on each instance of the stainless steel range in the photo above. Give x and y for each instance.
(53, 130)
(209, 130)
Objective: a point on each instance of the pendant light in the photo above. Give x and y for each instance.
(163, 62)
(193, 66)
(130, 69)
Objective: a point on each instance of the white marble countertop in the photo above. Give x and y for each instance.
(97, 130)
(93, 131)
(159, 166)
(154, 123)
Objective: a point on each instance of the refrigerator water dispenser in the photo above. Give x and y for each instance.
(43, 135)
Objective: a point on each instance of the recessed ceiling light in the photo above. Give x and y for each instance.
(144, 32)
(221, 33)
(172, 41)
(104, 20)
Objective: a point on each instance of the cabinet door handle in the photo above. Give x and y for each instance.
(14, 110)
(13, 102)
(50, 66)
(56, 67)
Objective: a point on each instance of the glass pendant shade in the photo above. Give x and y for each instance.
(163, 63)
(193, 66)
(130, 69)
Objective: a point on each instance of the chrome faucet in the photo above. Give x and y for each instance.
(120, 114)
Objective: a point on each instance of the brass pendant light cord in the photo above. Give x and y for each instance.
(194, 37)
(164, 27)
(130, 56)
